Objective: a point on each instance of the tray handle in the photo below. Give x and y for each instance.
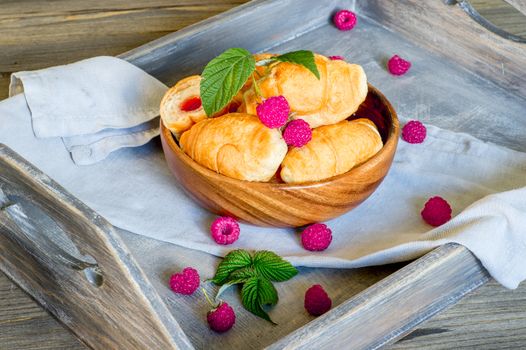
(31, 235)
(73, 262)
(475, 15)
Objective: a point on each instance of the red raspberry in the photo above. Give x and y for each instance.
(297, 133)
(185, 282)
(316, 237)
(225, 230)
(414, 132)
(437, 211)
(344, 20)
(336, 58)
(274, 112)
(397, 65)
(317, 302)
(222, 318)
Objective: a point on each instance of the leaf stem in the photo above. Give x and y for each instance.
(214, 305)
(256, 88)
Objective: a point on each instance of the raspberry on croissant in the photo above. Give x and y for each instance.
(333, 150)
(236, 145)
(342, 87)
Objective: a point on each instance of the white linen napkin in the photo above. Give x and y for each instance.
(483, 182)
(97, 105)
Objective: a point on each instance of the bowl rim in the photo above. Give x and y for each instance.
(392, 140)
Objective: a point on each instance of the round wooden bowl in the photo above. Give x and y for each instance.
(289, 205)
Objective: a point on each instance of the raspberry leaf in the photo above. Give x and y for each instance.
(223, 77)
(236, 277)
(257, 292)
(303, 57)
(273, 267)
(235, 260)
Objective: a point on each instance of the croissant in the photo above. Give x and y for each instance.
(333, 150)
(181, 105)
(342, 87)
(236, 145)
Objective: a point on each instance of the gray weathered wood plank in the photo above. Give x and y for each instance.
(25, 325)
(491, 317)
(32, 208)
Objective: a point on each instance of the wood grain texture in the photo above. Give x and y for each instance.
(499, 316)
(25, 325)
(289, 205)
(510, 15)
(447, 30)
(38, 34)
(125, 300)
(413, 293)
(491, 317)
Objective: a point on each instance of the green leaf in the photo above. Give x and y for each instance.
(236, 277)
(236, 259)
(223, 77)
(242, 274)
(302, 57)
(257, 292)
(272, 266)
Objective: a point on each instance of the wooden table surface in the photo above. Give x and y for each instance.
(37, 33)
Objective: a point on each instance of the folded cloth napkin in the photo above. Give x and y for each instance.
(483, 182)
(97, 105)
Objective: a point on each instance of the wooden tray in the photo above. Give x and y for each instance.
(110, 286)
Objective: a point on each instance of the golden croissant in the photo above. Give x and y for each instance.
(342, 87)
(236, 145)
(333, 150)
(181, 105)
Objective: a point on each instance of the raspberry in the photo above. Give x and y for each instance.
(274, 112)
(222, 318)
(225, 230)
(397, 65)
(414, 132)
(316, 237)
(336, 58)
(437, 211)
(185, 282)
(317, 302)
(344, 20)
(297, 133)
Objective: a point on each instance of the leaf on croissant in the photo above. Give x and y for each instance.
(223, 77)
(303, 57)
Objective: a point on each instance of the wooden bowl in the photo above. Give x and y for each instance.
(289, 205)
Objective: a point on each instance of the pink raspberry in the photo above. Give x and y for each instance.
(344, 20)
(414, 132)
(336, 58)
(225, 230)
(397, 65)
(297, 133)
(316, 237)
(317, 302)
(274, 112)
(222, 318)
(185, 282)
(437, 211)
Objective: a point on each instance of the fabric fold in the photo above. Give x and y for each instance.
(100, 97)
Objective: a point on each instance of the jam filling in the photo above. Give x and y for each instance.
(191, 104)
